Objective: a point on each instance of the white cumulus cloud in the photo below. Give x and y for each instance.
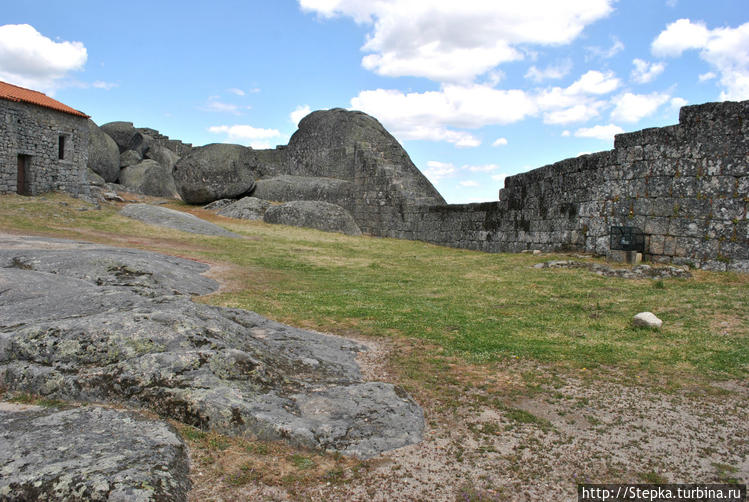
(553, 72)
(437, 170)
(469, 183)
(645, 72)
(29, 59)
(486, 168)
(449, 41)
(631, 107)
(602, 132)
(299, 113)
(678, 102)
(436, 115)
(500, 142)
(725, 49)
(246, 134)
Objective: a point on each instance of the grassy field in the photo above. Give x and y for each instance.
(531, 379)
(477, 306)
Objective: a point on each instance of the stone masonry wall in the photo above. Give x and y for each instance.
(686, 186)
(27, 129)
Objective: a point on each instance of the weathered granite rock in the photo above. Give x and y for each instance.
(140, 143)
(99, 339)
(164, 156)
(91, 453)
(130, 158)
(121, 132)
(247, 208)
(219, 204)
(103, 153)
(149, 178)
(347, 145)
(148, 274)
(647, 320)
(287, 188)
(313, 214)
(165, 217)
(216, 171)
(95, 179)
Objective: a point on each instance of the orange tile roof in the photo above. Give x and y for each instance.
(19, 94)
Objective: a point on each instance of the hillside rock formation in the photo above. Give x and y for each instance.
(313, 214)
(123, 145)
(93, 323)
(215, 171)
(337, 156)
(93, 453)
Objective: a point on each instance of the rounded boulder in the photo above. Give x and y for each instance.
(149, 178)
(216, 171)
(247, 208)
(103, 153)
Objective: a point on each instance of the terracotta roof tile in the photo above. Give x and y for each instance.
(19, 94)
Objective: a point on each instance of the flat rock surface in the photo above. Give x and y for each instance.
(89, 453)
(125, 333)
(165, 217)
(636, 272)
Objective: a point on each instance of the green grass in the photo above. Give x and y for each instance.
(476, 306)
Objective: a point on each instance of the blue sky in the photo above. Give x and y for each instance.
(474, 90)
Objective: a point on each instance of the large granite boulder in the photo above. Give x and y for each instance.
(105, 335)
(287, 188)
(103, 153)
(313, 214)
(247, 208)
(165, 217)
(354, 146)
(121, 132)
(149, 178)
(216, 171)
(91, 453)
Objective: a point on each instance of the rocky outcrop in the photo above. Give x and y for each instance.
(103, 153)
(149, 178)
(247, 208)
(90, 453)
(165, 217)
(338, 156)
(110, 335)
(216, 171)
(313, 214)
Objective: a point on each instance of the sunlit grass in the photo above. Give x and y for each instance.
(477, 306)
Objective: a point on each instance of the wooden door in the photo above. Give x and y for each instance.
(22, 183)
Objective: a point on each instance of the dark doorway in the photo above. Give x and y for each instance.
(24, 175)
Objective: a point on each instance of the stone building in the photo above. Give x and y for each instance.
(43, 144)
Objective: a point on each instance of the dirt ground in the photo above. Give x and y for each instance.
(497, 438)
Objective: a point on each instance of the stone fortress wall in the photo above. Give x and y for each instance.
(34, 131)
(685, 186)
